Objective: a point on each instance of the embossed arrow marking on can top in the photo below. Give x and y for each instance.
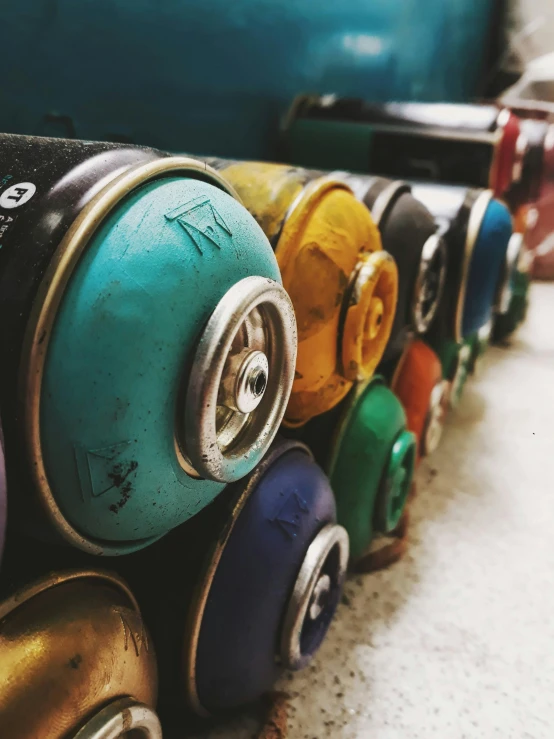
(288, 515)
(200, 219)
(102, 469)
(139, 638)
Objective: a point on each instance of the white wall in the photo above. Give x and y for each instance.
(531, 28)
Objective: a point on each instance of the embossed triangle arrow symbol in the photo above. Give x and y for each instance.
(101, 469)
(288, 516)
(200, 219)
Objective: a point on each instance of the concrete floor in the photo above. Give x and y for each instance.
(457, 639)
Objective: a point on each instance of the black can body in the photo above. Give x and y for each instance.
(454, 144)
(451, 208)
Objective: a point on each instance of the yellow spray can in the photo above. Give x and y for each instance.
(342, 284)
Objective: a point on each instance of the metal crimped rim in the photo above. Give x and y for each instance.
(436, 414)
(476, 215)
(201, 440)
(201, 593)
(316, 555)
(435, 245)
(43, 314)
(505, 289)
(52, 580)
(383, 501)
(371, 269)
(119, 718)
(520, 150)
(386, 198)
(456, 385)
(502, 120)
(300, 211)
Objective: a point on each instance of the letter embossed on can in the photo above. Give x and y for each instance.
(200, 219)
(130, 632)
(288, 516)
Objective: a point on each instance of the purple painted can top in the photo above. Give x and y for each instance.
(3, 496)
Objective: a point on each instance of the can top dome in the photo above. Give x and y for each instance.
(160, 284)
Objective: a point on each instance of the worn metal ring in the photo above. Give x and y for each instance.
(214, 452)
(429, 283)
(434, 423)
(460, 376)
(311, 584)
(477, 213)
(121, 719)
(62, 577)
(481, 342)
(521, 149)
(386, 199)
(505, 284)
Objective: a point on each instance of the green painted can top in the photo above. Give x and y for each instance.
(371, 464)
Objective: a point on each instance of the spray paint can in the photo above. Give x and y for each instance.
(342, 284)
(476, 145)
(148, 345)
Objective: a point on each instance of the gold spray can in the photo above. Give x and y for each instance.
(76, 661)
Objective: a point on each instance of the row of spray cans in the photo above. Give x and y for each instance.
(219, 376)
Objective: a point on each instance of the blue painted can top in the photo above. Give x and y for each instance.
(485, 267)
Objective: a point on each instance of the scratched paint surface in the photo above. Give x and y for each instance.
(321, 234)
(457, 640)
(124, 338)
(67, 652)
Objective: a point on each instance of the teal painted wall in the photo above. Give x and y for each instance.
(213, 76)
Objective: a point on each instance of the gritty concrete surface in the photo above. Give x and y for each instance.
(457, 640)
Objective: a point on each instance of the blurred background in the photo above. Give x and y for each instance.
(217, 77)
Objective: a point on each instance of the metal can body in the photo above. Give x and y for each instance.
(342, 284)
(133, 288)
(477, 230)
(369, 455)
(259, 577)
(418, 383)
(475, 145)
(72, 646)
(3, 496)
(409, 234)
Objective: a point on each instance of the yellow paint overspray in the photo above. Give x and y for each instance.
(342, 284)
